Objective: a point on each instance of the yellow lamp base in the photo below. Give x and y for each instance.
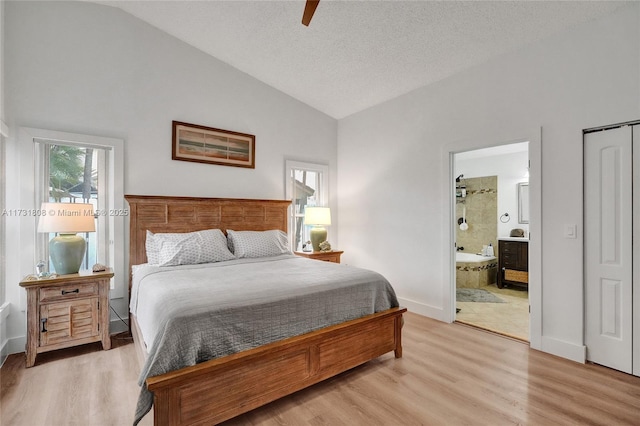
(317, 234)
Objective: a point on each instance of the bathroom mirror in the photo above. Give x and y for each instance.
(523, 202)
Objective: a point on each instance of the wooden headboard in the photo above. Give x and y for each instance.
(189, 214)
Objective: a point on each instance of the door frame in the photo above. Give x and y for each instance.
(534, 137)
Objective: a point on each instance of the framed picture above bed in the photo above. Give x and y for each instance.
(200, 144)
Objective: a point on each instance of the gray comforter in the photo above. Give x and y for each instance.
(190, 314)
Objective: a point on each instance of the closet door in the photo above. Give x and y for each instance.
(608, 259)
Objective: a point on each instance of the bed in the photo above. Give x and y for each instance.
(221, 388)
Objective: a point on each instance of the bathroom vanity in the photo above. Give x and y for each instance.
(513, 262)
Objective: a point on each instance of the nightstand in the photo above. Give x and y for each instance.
(327, 256)
(66, 311)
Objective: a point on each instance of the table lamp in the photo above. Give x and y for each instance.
(317, 217)
(67, 249)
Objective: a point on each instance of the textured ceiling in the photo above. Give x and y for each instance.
(356, 54)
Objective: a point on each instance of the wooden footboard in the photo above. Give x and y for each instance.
(220, 389)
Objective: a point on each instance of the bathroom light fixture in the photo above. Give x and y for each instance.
(67, 249)
(317, 217)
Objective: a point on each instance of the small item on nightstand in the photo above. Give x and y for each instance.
(307, 247)
(325, 246)
(40, 271)
(98, 267)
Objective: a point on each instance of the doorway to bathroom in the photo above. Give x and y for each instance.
(491, 230)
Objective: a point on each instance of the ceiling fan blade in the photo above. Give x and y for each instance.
(309, 10)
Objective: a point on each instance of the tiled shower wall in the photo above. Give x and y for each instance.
(481, 204)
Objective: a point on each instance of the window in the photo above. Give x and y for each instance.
(69, 173)
(80, 168)
(307, 184)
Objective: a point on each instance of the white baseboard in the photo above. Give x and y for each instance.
(422, 309)
(5, 309)
(4, 353)
(116, 326)
(573, 352)
(16, 345)
(9, 346)
(577, 353)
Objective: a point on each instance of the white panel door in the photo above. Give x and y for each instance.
(608, 259)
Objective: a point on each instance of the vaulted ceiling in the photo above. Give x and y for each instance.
(356, 54)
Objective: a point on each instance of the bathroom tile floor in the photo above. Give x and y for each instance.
(510, 318)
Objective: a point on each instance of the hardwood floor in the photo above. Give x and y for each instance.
(450, 374)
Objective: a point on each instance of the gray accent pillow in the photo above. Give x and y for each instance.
(170, 249)
(249, 244)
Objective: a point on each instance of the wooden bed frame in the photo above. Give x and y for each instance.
(222, 388)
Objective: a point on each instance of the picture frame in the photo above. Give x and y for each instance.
(201, 144)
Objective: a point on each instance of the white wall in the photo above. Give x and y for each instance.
(390, 164)
(90, 69)
(2, 26)
(4, 308)
(510, 169)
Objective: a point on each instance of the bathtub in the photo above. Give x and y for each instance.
(474, 271)
(472, 258)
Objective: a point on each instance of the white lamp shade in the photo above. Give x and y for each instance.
(66, 218)
(317, 216)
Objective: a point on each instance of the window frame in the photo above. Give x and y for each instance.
(322, 199)
(30, 138)
(43, 162)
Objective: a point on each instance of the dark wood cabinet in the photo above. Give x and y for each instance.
(513, 263)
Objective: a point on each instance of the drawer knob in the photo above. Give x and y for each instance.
(77, 290)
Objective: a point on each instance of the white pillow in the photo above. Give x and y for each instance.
(187, 248)
(150, 246)
(258, 243)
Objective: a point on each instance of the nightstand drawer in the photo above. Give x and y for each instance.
(67, 292)
(327, 256)
(330, 258)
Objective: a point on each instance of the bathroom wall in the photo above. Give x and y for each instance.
(481, 205)
(511, 169)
